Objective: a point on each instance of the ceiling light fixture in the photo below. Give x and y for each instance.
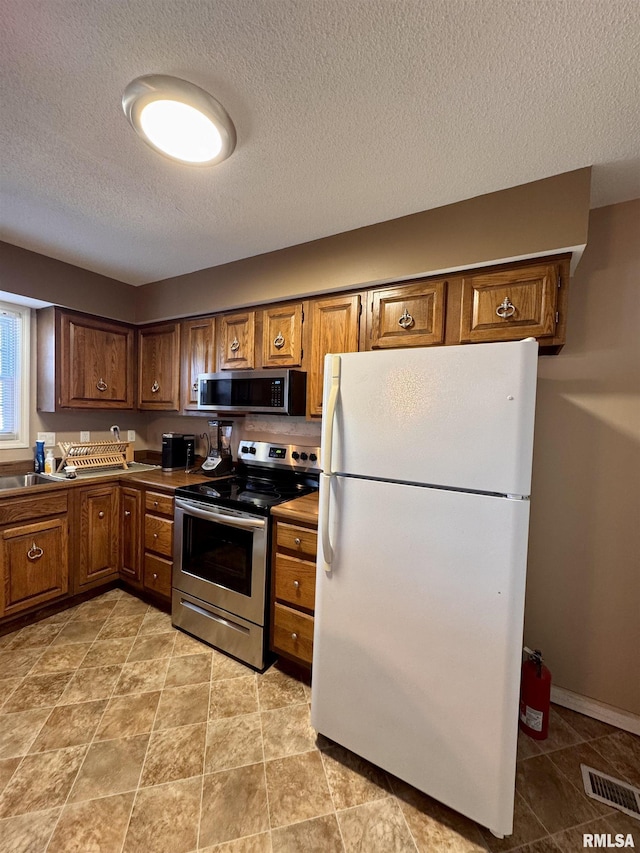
(179, 119)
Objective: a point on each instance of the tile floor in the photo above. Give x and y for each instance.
(119, 733)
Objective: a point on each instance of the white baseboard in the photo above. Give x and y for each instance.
(598, 710)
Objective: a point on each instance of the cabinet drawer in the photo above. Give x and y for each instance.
(157, 575)
(298, 539)
(157, 502)
(293, 633)
(158, 535)
(295, 581)
(21, 509)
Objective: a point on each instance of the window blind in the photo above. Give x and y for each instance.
(10, 384)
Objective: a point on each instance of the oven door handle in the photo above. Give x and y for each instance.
(221, 516)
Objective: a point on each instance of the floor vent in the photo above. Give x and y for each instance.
(611, 791)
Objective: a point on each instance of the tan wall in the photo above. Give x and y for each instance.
(538, 218)
(583, 592)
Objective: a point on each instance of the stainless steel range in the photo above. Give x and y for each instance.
(221, 546)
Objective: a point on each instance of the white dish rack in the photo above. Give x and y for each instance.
(91, 455)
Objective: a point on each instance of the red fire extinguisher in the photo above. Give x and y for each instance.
(535, 696)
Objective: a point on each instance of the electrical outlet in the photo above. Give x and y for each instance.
(85, 435)
(49, 438)
(131, 435)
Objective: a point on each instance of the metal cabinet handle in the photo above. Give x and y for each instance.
(155, 576)
(155, 387)
(296, 584)
(294, 636)
(298, 541)
(127, 513)
(194, 387)
(235, 345)
(506, 309)
(155, 503)
(406, 320)
(101, 385)
(155, 535)
(35, 552)
(100, 514)
(278, 341)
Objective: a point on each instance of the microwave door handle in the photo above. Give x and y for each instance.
(222, 517)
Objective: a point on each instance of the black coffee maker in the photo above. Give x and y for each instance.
(178, 451)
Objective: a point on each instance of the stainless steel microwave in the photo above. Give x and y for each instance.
(281, 392)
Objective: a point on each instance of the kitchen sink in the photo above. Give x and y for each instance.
(21, 481)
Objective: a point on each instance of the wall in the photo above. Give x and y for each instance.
(540, 218)
(583, 592)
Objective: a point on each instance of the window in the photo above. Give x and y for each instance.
(14, 375)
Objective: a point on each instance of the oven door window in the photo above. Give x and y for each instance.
(219, 554)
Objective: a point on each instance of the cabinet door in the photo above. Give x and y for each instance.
(198, 356)
(334, 328)
(99, 534)
(408, 316)
(282, 336)
(159, 367)
(236, 333)
(96, 363)
(131, 533)
(35, 565)
(510, 304)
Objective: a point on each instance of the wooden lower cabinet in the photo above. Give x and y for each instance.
(293, 561)
(35, 564)
(158, 543)
(131, 534)
(99, 535)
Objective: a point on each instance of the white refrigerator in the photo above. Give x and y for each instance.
(423, 525)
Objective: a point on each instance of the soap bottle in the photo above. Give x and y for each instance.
(38, 462)
(50, 463)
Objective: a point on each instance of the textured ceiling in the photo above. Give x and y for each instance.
(348, 112)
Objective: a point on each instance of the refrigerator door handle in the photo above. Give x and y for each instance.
(327, 550)
(328, 416)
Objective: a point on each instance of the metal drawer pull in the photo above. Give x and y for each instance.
(35, 552)
(100, 514)
(155, 535)
(296, 584)
(155, 503)
(155, 576)
(298, 541)
(294, 636)
(127, 513)
(235, 345)
(278, 341)
(194, 387)
(101, 385)
(406, 320)
(155, 387)
(506, 309)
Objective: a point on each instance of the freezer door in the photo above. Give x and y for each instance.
(460, 417)
(418, 637)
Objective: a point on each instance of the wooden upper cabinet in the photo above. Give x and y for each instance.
(334, 328)
(84, 362)
(411, 315)
(510, 304)
(198, 356)
(159, 367)
(99, 535)
(237, 341)
(282, 336)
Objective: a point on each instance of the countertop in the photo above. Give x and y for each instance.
(299, 509)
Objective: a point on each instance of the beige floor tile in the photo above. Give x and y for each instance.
(234, 804)
(622, 750)
(28, 833)
(250, 844)
(19, 663)
(143, 676)
(553, 799)
(128, 715)
(568, 761)
(297, 788)
(225, 667)
(155, 622)
(182, 706)
(526, 828)
(128, 605)
(7, 768)
(34, 637)
(187, 645)
(120, 626)
(527, 746)
(152, 646)
(233, 696)
(165, 818)
(94, 683)
(174, 754)
(560, 735)
(94, 826)
(586, 727)
(287, 731)
(69, 725)
(78, 632)
(93, 611)
(18, 731)
(545, 845)
(277, 689)
(377, 827)
(110, 767)
(352, 780)
(189, 669)
(61, 658)
(233, 742)
(108, 652)
(7, 687)
(42, 781)
(37, 691)
(321, 834)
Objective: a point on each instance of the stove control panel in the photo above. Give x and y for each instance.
(267, 454)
